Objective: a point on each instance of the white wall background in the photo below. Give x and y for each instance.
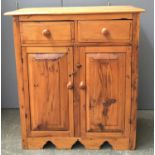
(146, 52)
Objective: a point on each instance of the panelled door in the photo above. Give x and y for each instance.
(105, 85)
(48, 90)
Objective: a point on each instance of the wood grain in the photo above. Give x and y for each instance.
(19, 71)
(117, 31)
(134, 84)
(104, 102)
(77, 72)
(92, 144)
(58, 31)
(74, 17)
(48, 77)
(105, 75)
(51, 103)
(75, 10)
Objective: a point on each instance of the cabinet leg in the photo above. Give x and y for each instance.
(24, 144)
(120, 147)
(133, 144)
(35, 146)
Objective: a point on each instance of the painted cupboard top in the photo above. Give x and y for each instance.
(75, 10)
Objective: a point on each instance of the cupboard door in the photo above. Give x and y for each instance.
(50, 91)
(105, 85)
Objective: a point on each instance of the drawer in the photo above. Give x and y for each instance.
(105, 31)
(46, 32)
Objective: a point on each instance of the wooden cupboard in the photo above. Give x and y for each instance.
(77, 71)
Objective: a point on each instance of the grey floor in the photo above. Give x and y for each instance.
(11, 138)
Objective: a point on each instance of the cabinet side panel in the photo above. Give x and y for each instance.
(19, 70)
(134, 83)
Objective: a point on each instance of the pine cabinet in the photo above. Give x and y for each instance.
(77, 75)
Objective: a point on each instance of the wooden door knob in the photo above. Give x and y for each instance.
(82, 85)
(78, 65)
(70, 85)
(46, 33)
(104, 31)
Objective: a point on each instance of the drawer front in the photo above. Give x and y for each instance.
(105, 31)
(46, 32)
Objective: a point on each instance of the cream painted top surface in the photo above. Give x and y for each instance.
(75, 10)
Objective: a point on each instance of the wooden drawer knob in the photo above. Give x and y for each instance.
(70, 85)
(46, 33)
(104, 31)
(82, 85)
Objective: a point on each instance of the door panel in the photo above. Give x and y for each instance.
(50, 102)
(103, 102)
(48, 91)
(103, 77)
